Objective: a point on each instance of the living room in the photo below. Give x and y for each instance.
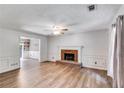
(73, 44)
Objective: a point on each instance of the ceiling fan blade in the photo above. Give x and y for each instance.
(73, 24)
(39, 26)
(47, 30)
(64, 29)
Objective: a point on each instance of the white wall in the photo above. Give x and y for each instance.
(95, 46)
(9, 48)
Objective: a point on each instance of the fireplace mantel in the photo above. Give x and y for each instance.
(79, 48)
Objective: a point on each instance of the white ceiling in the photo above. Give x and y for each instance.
(40, 18)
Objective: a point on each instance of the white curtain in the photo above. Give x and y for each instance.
(112, 41)
(116, 53)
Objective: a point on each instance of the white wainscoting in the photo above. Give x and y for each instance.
(9, 63)
(97, 62)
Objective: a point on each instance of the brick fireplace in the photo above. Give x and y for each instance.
(69, 55)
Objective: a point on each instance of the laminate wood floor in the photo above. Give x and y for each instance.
(54, 75)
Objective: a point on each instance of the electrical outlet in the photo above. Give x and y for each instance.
(95, 62)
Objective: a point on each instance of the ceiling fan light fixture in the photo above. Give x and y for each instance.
(58, 33)
(59, 30)
(56, 27)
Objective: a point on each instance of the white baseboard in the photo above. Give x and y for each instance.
(9, 69)
(94, 67)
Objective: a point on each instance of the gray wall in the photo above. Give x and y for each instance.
(95, 44)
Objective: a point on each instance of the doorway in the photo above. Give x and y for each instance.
(29, 49)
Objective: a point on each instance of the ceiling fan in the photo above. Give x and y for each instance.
(55, 29)
(58, 30)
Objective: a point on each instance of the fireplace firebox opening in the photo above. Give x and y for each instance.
(69, 56)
